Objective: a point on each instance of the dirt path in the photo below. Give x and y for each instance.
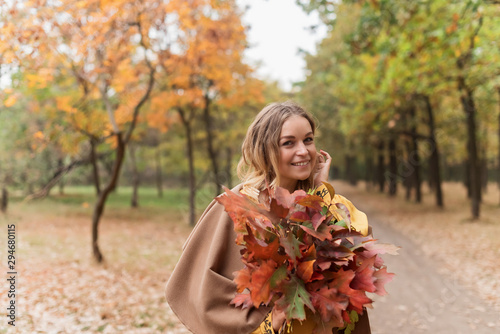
(423, 298)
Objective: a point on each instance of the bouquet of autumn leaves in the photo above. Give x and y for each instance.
(298, 255)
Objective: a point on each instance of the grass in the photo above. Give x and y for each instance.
(80, 200)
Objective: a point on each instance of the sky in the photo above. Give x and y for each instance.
(278, 28)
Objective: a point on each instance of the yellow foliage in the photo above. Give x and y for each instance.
(123, 114)
(10, 101)
(63, 103)
(38, 135)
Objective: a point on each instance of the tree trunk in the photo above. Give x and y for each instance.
(159, 176)
(190, 153)
(134, 201)
(108, 166)
(95, 168)
(484, 175)
(60, 165)
(121, 143)
(209, 128)
(483, 168)
(467, 99)
(354, 174)
(467, 177)
(347, 161)
(5, 200)
(103, 196)
(393, 168)
(434, 169)
(369, 175)
(498, 169)
(380, 166)
(415, 156)
(351, 170)
(409, 178)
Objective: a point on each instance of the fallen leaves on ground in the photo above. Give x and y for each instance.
(61, 290)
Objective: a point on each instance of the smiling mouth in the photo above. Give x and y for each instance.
(300, 163)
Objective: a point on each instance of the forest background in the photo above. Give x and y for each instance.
(145, 103)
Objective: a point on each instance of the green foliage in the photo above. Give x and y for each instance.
(380, 57)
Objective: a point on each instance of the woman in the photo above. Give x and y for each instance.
(278, 150)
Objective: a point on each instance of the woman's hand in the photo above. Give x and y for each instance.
(322, 168)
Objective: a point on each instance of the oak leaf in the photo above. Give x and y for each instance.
(294, 300)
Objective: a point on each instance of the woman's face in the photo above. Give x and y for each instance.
(297, 152)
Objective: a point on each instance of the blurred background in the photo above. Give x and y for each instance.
(121, 119)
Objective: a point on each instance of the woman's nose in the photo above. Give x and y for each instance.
(301, 149)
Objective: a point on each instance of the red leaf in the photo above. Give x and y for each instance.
(312, 201)
(258, 249)
(333, 252)
(364, 279)
(278, 210)
(260, 287)
(287, 200)
(300, 216)
(322, 233)
(330, 304)
(242, 300)
(317, 219)
(244, 210)
(382, 277)
(357, 298)
(242, 279)
(372, 249)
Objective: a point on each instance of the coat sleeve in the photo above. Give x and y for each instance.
(201, 286)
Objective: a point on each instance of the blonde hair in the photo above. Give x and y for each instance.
(258, 166)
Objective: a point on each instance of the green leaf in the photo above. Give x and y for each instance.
(295, 298)
(324, 211)
(291, 245)
(279, 275)
(341, 223)
(354, 317)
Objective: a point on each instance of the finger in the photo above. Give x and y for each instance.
(325, 155)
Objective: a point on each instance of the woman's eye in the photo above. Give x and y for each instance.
(309, 139)
(289, 142)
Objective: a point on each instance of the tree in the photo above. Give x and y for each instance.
(100, 55)
(390, 57)
(207, 77)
